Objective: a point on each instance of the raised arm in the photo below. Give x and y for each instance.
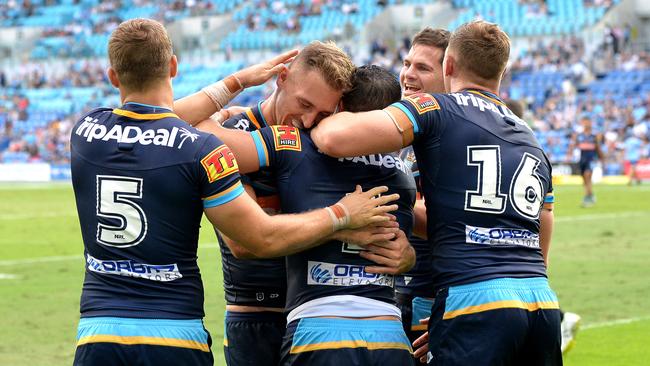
(280, 235)
(201, 105)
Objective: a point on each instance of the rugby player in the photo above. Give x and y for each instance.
(255, 289)
(588, 142)
(142, 180)
(340, 310)
(420, 73)
(486, 182)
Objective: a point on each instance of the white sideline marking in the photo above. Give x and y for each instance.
(620, 215)
(612, 323)
(7, 276)
(63, 258)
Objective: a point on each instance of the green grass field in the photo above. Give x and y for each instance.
(600, 268)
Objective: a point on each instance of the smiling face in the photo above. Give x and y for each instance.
(422, 71)
(304, 98)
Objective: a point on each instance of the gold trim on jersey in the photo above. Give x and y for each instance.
(144, 116)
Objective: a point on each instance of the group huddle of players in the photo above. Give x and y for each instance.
(439, 261)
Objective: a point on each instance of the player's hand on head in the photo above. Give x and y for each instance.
(260, 73)
(393, 256)
(366, 208)
(421, 345)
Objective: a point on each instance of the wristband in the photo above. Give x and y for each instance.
(223, 91)
(339, 215)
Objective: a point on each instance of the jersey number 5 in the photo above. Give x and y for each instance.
(526, 191)
(120, 221)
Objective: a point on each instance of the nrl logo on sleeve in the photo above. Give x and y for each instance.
(219, 163)
(423, 102)
(286, 138)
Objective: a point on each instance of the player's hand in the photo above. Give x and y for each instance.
(380, 232)
(393, 256)
(365, 208)
(421, 345)
(225, 113)
(258, 74)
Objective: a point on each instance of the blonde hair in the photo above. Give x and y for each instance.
(481, 48)
(139, 51)
(335, 66)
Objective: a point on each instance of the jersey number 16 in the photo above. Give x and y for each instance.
(525, 193)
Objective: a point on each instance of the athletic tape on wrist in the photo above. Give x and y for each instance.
(223, 91)
(339, 215)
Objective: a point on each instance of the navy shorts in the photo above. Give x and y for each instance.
(586, 165)
(253, 339)
(336, 341)
(104, 341)
(506, 321)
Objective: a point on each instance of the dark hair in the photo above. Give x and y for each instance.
(373, 87)
(437, 38)
(515, 107)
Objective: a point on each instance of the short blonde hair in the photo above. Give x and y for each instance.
(139, 51)
(481, 48)
(335, 66)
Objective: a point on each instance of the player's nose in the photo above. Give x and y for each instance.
(308, 120)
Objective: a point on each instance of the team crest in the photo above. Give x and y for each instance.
(423, 102)
(286, 138)
(219, 163)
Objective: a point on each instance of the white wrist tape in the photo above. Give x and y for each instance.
(339, 215)
(223, 91)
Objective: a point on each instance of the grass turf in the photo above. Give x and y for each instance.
(600, 268)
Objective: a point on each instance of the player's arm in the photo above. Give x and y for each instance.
(237, 250)
(599, 149)
(546, 218)
(280, 235)
(240, 142)
(352, 134)
(203, 104)
(420, 224)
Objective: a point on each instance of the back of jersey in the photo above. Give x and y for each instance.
(308, 179)
(141, 178)
(485, 179)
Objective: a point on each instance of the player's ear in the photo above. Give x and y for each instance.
(112, 77)
(282, 78)
(448, 64)
(173, 67)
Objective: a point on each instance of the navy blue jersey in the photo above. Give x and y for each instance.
(254, 282)
(484, 179)
(142, 178)
(419, 280)
(588, 145)
(308, 179)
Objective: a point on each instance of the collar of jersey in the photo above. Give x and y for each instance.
(144, 111)
(259, 111)
(487, 95)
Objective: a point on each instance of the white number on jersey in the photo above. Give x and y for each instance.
(487, 197)
(526, 190)
(114, 195)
